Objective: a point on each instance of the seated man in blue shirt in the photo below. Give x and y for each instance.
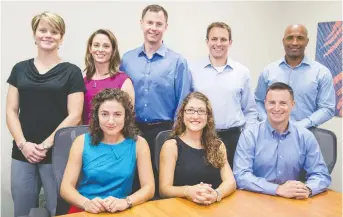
(311, 81)
(275, 156)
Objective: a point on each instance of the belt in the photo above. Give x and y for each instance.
(154, 124)
(237, 129)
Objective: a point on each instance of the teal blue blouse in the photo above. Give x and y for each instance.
(107, 169)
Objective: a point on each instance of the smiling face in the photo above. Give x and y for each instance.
(101, 48)
(218, 42)
(46, 37)
(279, 104)
(195, 115)
(295, 41)
(154, 25)
(111, 117)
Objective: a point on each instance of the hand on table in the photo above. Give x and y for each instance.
(113, 204)
(202, 194)
(293, 189)
(96, 205)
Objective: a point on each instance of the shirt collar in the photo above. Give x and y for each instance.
(229, 62)
(160, 51)
(305, 61)
(275, 133)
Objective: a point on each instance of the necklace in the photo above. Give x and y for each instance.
(94, 83)
(100, 78)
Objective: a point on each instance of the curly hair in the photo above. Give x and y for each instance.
(129, 131)
(209, 138)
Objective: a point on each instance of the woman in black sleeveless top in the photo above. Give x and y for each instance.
(193, 163)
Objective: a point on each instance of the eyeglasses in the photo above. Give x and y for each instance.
(199, 111)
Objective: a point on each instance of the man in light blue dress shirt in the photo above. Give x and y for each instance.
(311, 81)
(160, 76)
(274, 156)
(227, 85)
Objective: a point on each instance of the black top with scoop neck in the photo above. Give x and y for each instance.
(43, 99)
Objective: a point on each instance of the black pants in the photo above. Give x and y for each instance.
(149, 132)
(230, 138)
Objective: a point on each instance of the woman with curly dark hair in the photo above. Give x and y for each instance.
(101, 165)
(193, 164)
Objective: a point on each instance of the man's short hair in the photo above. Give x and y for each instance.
(155, 8)
(219, 25)
(281, 86)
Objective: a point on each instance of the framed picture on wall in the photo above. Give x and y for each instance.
(329, 53)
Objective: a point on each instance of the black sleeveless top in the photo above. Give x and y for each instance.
(192, 168)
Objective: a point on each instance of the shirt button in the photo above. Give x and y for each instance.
(146, 90)
(280, 156)
(145, 105)
(279, 171)
(149, 61)
(146, 119)
(146, 74)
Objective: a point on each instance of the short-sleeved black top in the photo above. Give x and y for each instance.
(43, 100)
(192, 168)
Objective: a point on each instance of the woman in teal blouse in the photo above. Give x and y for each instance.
(104, 160)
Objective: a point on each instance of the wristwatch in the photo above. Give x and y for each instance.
(45, 146)
(310, 190)
(128, 201)
(219, 195)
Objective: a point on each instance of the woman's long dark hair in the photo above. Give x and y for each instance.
(209, 138)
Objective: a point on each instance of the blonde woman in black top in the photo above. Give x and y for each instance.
(193, 164)
(44, 95)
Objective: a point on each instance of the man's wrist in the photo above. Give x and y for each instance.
(277, 192)
(309, 191)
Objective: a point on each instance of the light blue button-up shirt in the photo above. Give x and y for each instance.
(229, 92)
(161, 83)
(264, 159)
(313, 90)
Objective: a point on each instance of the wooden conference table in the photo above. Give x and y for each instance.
(239, 204)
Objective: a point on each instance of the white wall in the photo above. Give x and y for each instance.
(257, 31)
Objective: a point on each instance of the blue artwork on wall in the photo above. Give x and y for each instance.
(329, 53)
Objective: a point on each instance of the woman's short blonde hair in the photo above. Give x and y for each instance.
(55, 20)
